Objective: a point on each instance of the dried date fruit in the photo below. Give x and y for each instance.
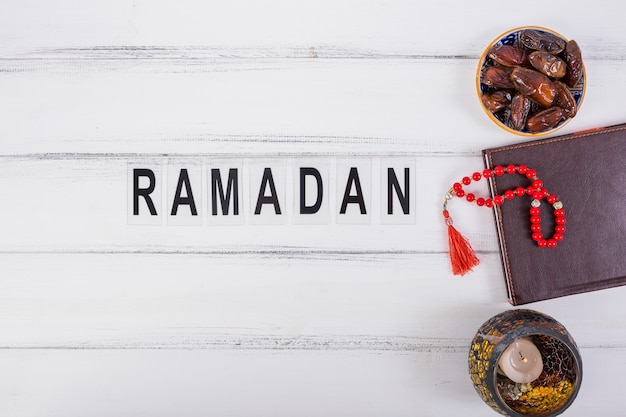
(574, 61)
(497, 77)
(548, 64)
(542, 41)
(544, 120)
(530, 86)
(520, 107)
(564, 99)
(497, 100)
(509, 56)
(534, 85)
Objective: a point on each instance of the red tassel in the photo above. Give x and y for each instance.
(462, 256)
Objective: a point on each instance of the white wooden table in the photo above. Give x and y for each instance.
(99, 317)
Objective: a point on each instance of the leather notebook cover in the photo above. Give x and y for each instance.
(587, 171)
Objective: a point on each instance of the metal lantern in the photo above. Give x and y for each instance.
(525, 363)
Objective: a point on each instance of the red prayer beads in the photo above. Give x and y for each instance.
(536, 190)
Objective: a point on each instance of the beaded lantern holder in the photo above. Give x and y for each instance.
(560, 376)
(462, 256)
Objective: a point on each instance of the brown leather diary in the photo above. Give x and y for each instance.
(587, 171)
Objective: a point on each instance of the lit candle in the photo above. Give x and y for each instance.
(521, 361)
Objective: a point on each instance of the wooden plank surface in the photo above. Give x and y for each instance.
(99, 316)
(260, 382)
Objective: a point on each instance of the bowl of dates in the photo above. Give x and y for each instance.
(531, 80)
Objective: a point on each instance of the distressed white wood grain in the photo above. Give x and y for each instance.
(264, 301)
(195, 104)
(278, 107)
(393, 303)
(393, 27)
(197, 382)
(79, 203)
